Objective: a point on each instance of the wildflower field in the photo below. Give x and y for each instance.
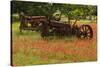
(28, 48)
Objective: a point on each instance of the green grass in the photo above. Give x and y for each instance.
(31, 34)
(87, 21)
(22, 59)
(26, 54)
(35, 35)
(25, 33)
(30, 59)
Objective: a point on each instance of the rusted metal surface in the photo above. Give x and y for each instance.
(53, 27)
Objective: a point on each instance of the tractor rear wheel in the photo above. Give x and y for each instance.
(85, 32)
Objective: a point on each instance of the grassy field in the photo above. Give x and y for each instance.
(30, 49)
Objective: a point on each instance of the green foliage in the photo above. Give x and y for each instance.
(15, 18)
(71, 11)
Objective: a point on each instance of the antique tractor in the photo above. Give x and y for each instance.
(54, 28)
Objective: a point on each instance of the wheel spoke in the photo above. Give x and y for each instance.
(83, 28)
(86, 31)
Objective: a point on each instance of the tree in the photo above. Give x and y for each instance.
(71, 11)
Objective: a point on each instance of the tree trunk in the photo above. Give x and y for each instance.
(69, 20)
(75, 22)
(60, 16)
